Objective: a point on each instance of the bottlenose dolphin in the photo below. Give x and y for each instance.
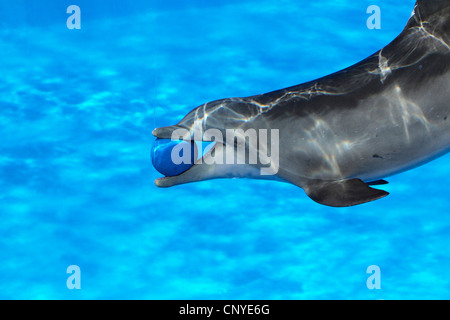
(342, 133)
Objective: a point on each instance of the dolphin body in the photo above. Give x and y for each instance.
(342, 133)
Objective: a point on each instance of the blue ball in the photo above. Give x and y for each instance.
(162, 156)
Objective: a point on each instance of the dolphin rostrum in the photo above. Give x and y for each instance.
(340, 134)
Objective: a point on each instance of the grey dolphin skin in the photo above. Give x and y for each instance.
(343, 133)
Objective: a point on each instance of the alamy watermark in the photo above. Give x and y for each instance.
(74, 280)
(74, 20)
(251, 148)
(374, 21)
(374, 280)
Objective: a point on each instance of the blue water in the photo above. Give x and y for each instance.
(76, 183)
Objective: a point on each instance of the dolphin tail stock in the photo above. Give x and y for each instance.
(426, 8)
(434, 14)
(343, 193)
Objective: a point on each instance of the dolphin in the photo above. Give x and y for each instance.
(341, 134)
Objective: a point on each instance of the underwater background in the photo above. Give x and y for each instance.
(77, 108)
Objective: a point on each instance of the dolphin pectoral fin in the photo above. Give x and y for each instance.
(343, 193)
(377, 183)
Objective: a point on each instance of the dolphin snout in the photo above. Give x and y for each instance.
(167, 132)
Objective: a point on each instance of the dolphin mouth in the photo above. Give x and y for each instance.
(186, 176)
(203, 149)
